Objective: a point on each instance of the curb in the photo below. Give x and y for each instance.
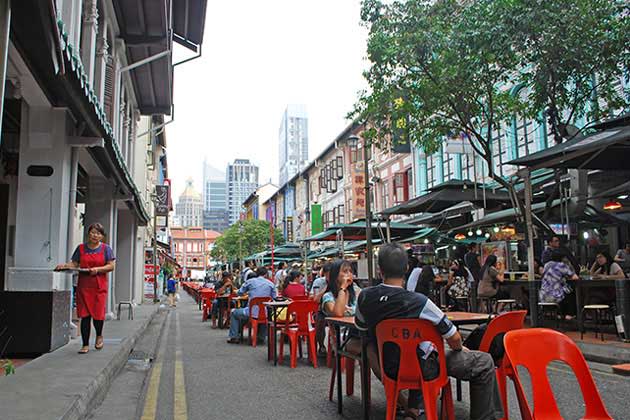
(95, 392)
(610, 355)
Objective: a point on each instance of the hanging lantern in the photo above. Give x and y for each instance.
(460, 236)
(496, 229)
(478, 232)
(612, 205)
(470, 233)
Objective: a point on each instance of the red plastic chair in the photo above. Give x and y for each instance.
(551, 345)
(302, 297)
(302, 314)
(508, 321)
(408, 334)
(207, 297)
(252, 324)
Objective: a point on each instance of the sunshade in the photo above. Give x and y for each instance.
(448, 194)
(356, 231)
(606, 149)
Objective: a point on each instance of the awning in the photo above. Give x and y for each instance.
(448, 194)
(189, 19)
(606, 149)
(590, 215)
(356, 231)
(144, 26)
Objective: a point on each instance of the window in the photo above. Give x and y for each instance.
(188, 247)
(431, 172)
(449, 166)
(340, 214)
(525, 135)
(499, 150)
(339, 166)
(410, 192)
(385, 195)
(468, 168)
(401, 187)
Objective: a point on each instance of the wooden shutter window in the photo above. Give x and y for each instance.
(108, 97)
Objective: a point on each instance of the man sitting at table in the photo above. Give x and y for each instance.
(258, 286)
(390, 300)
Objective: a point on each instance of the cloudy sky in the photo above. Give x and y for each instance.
(259, 56)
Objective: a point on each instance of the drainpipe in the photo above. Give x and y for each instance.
(74, 174)
(5, 27)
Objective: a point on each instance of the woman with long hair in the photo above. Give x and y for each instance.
(491, 279)
(340, 298)
(604, 267)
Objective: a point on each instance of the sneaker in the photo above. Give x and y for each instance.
(233, 341)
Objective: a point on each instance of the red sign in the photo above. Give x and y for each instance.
(358, 191)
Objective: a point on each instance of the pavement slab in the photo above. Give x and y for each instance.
(65, 385)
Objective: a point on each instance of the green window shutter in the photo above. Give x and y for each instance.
(316, 219)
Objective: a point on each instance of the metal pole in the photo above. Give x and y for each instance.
(5, 26)
(533, 290)
(368, 215)
(155, 288)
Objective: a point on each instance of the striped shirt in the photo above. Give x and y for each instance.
(381, 302)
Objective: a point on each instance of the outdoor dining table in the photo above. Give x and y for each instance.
(273, 307)
(337, 323)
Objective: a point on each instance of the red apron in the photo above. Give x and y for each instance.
(92, 290)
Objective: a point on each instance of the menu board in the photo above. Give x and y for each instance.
(498, 249)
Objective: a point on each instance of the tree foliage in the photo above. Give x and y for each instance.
(447, 67)
(245, 238)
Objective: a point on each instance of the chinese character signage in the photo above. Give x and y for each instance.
(358, 191)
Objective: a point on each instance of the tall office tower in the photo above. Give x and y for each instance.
(189, 209)
(242, 180)
(215, 214)
(293, 142)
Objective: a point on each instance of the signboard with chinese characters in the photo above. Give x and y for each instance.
(161, 200)
(358, 191)
(149, 278)
(500, 250)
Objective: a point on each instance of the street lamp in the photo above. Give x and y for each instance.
(353, 141)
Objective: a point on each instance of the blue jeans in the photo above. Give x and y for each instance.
(239, 317)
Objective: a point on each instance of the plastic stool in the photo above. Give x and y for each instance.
(489, 302)
(550, 308)
(507, 302)
(130, 313)
(598, 312)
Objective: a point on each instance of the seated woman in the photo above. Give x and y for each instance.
(459, 282)
(224, 286)
(422, 280)
(554, 288)
(491, 278)
(340, 298)
(292, 285)
(604, 268)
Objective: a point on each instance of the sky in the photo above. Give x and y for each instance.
(259, 56)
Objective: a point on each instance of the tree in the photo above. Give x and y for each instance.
(572, 57)
(238, 242)
(446, 68)
(439, 69)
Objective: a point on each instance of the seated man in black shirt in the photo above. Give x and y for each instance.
(390, 300)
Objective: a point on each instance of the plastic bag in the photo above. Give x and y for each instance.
(176, 297)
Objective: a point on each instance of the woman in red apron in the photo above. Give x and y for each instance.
(98, 258)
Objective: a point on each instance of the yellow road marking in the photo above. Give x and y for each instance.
(149, 411)
(150, 403)
(180, 408)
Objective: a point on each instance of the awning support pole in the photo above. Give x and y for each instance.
(5, 27)
(389, 230)
(533, 290)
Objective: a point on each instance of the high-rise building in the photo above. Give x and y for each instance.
(215, 214)
(293, 142)
(242, 180)
(189, 209)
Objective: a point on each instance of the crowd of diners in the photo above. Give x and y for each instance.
(407, 289)
(399, 296)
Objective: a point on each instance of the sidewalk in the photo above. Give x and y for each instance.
(64, 385)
